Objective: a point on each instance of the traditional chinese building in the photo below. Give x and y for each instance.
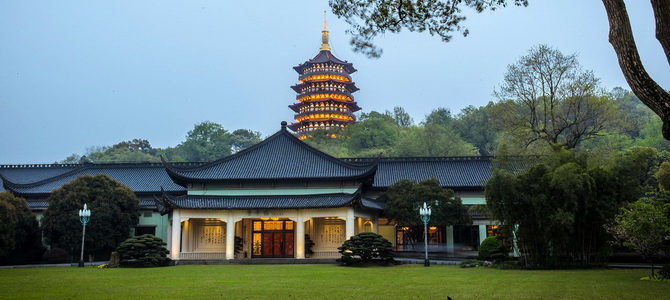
(264, 201)
(324, 99)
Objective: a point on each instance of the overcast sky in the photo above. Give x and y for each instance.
(75, 74)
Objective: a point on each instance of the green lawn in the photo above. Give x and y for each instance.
(326, 281)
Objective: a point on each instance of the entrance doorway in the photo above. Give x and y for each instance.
(272, 239)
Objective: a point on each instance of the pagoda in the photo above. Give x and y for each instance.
(324, 99)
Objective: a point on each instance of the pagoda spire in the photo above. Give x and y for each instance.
(324, 34)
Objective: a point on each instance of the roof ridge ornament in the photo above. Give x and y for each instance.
(324, 34)
(283, 125)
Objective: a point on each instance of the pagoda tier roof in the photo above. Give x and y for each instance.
(35, 180)
(330, 112)
(296, 125)
(349, 85)
(168, 202)
(298, 96)
(325, 56)
(280, 156)
(353, 106)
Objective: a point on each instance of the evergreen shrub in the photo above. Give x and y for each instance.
(665, 272)
(366, 247)
(55, 256)
(143, 251)
(492, 248)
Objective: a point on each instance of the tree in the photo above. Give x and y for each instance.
(20, 238)
(546, 96)
(644, 227)
(241, 139)
(432, 141)
(370, 18)
(366, 247)
(439, 116)
(206, 142)
(114, 211)
(401, 117)
(663, 176)
(557, 209)
(405, 196)
(475, 126)
(375, 134)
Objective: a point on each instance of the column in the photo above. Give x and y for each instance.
(482, 233)
(350, 223)
(175, 238)
(450, 239)
(300, 237)
(375, 225)
(230, 237)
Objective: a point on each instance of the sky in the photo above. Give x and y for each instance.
(76, 74)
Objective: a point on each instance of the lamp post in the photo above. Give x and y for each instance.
(425, 217)
(84, 217)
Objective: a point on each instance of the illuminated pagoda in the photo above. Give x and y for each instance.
(324, 99)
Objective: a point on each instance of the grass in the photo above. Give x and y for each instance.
(326, 281)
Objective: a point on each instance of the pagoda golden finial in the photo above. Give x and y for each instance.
(324, 34)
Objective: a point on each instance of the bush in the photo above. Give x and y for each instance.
(56, 256)
(143, 251)
(492, 248)
(665, 272)
(366, 247)
(309, 244)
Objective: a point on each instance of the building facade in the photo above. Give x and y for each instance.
(268, 200)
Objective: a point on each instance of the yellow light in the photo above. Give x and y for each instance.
(433, 228)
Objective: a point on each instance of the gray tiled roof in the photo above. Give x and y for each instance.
(31, 173)
(260, 202)
(141, 178)
(452, 172)
(281, 156)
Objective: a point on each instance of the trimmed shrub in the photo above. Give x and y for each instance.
(366, 247)
(492, 248)
(665, 272)
(309, 244)
(55, 256)
(143, 251)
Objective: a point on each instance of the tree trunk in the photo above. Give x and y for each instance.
(621, 38)
(662, 16)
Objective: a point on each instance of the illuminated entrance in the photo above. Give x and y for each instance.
(273, 239)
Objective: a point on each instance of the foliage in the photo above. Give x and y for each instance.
(56, 255)
(114, 211)
(663, 176)
(644, 226)
(405, 196)
(432, 141)
(309, 244)
(205, 142)
(238, 244)
(492, 248)
(374, 134)
(477, 126)
(546, 96)
(143, 251)
(366, 247)
(371, 18)
(557, 209)
(20, 237)
(665, 272)
(401, 117)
